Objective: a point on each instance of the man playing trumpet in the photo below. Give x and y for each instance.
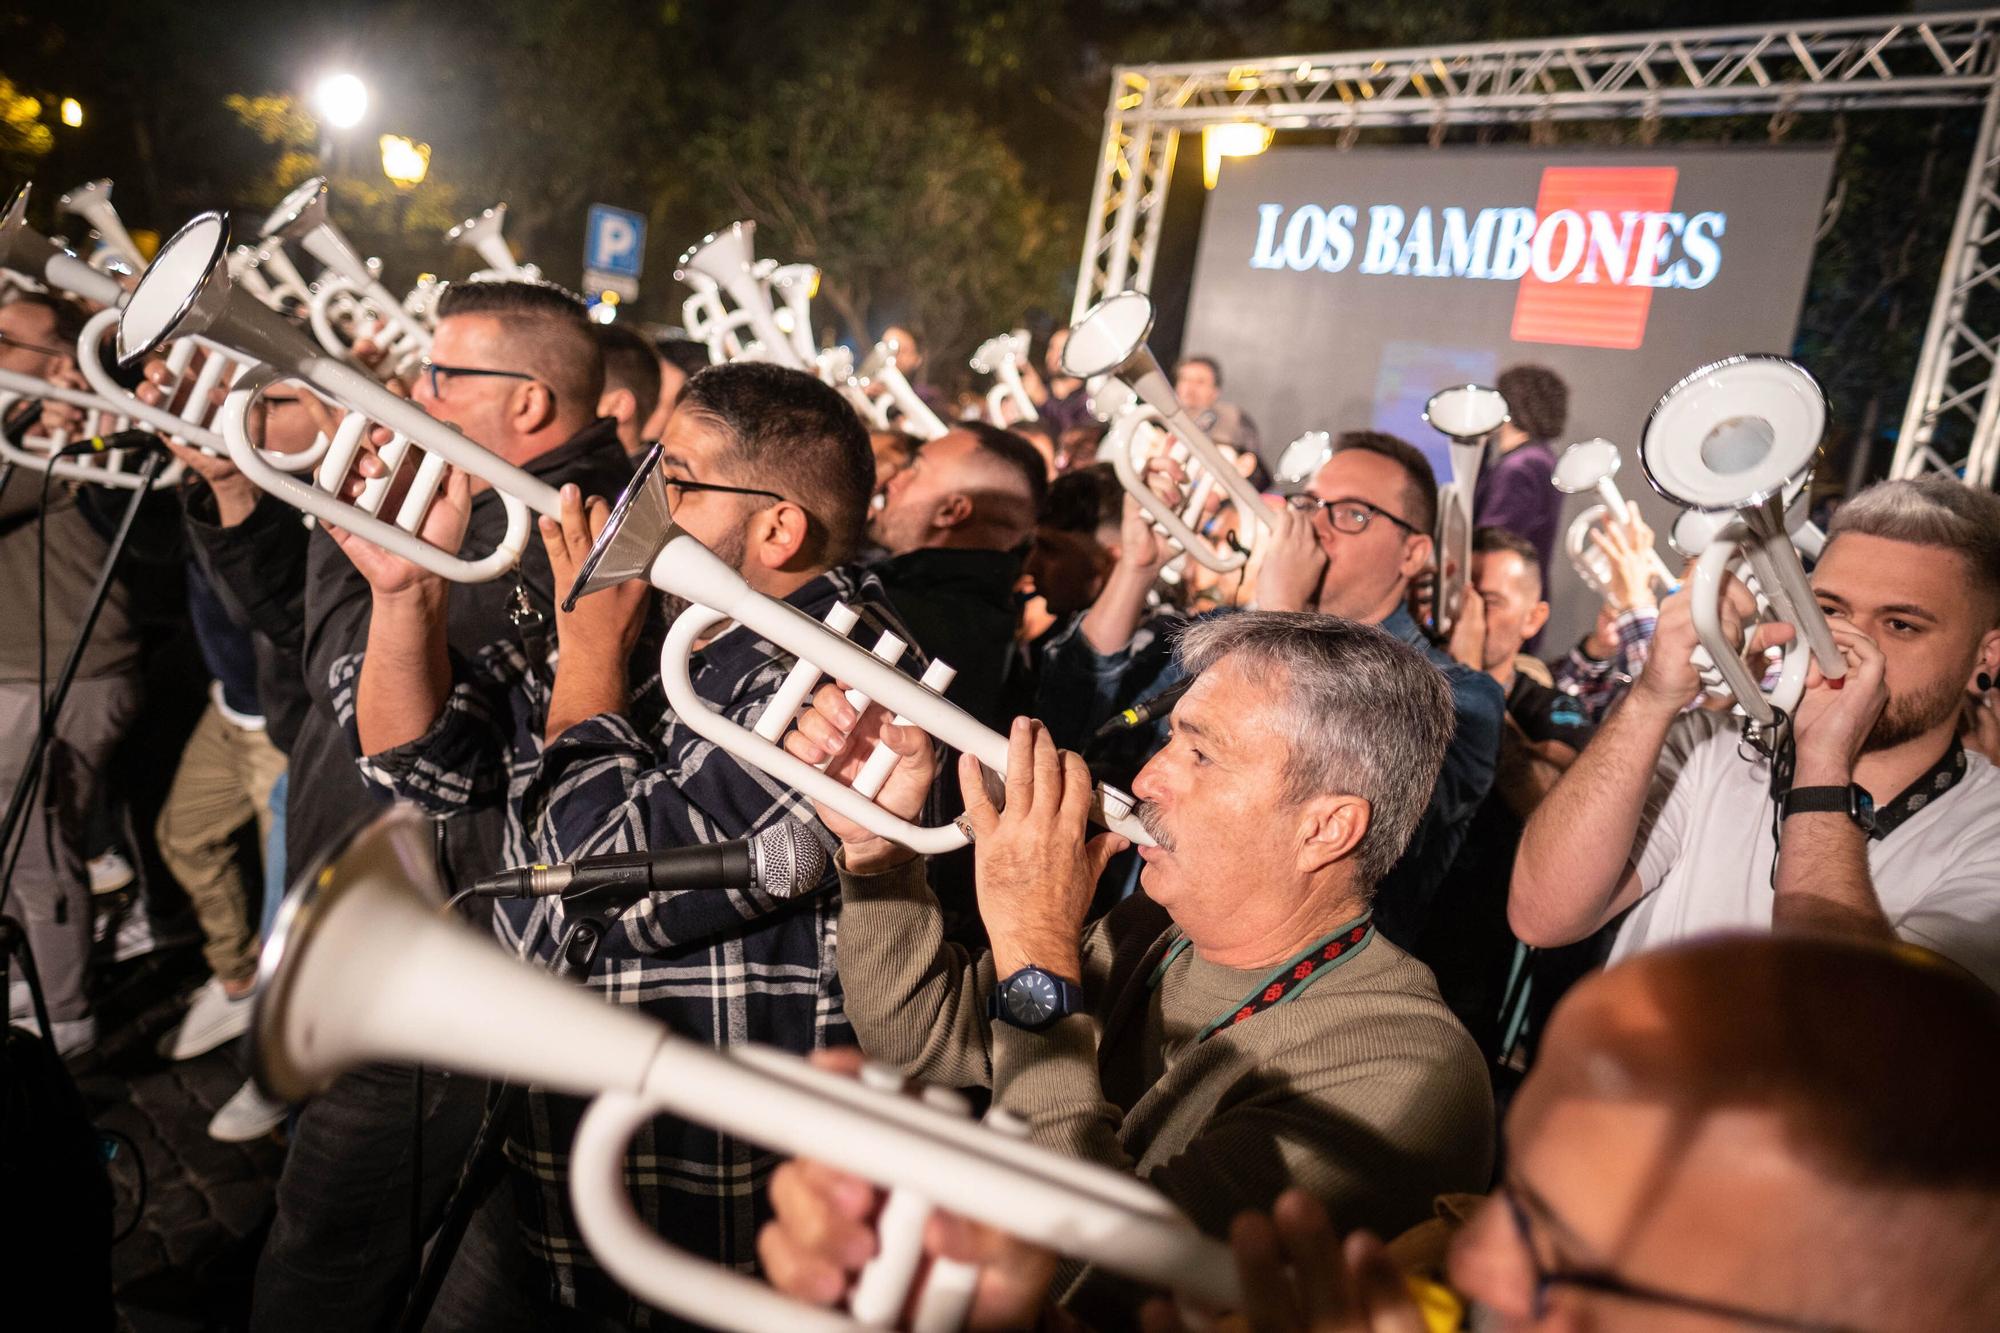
(1239, 1027)
(1884, 826)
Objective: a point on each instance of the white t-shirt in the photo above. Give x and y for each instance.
(1705, 851)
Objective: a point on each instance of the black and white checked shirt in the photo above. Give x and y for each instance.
(723, 966)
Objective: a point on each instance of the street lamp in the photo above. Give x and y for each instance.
(405, 161)
(342, 100)
(72, 113)
(1235, 139)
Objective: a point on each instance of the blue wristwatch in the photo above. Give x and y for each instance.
(1033, 999)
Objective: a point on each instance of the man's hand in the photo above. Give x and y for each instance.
(1671, 678)
(1299, 1277)
(1294, 564)
(1468, 632)
(1836, 716)
(605, 623)
(823, 1232)
(1602, 642)
(1628, 547)
(832, 733)
(444, 526)
(1034, 872)
(1141, 548)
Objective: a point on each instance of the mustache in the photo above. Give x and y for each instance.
(1149, 816)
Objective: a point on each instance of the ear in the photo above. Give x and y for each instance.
(953, 510)
(621, 405)
(1531, 624)
(1418, 552)
(1988, 659)
(1332, 827)
(534, 408)
(778, 534)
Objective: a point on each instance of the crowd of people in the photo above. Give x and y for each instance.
(1455, 978)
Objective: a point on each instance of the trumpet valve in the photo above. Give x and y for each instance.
(882, 760)
(799, 681)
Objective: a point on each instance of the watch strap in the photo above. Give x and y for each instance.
(1850, 800)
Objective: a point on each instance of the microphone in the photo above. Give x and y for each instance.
(783, 861)
(124, 439)
(1139, 714)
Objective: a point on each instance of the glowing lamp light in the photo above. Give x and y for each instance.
(405, 161)
(1236, 139)
(342, 99)
(72, 113)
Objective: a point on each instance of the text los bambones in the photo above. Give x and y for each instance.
(1626, 248)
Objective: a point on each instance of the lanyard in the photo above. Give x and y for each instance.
(1288, 979)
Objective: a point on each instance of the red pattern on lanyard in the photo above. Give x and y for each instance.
(1288, 979)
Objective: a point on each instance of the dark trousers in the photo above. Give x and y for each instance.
(495, 1286)
(338, 1257)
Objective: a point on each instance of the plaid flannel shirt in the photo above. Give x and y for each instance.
(722, 966)
(1596, 685)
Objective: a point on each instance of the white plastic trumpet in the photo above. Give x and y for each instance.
(1108, 343)
(641, 541)
(722, 264)
(1592, 465)
(303, 217)
(188, 292)
(913, 414)
(1134, 437)
(117, 468)
(92, 203)
(835, 367)
(1002, 356)
(1737, 434)
(268, 273)
(360, 966)
(794, 285)
(1468, 415)
(1303, 458)
(485, 235)
(35, 257)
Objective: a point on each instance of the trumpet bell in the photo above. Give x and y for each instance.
(176, 294)
(1304, 457)
(1466, 411)
(722, 257)
(639, 528)
(1108, 335)
(1757, 420)
(298, 212)
(473, 231)
(1583, 466)
(360, 966)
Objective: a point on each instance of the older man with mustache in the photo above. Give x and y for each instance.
(1238, 1027)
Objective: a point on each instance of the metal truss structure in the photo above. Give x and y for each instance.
(1943, 60)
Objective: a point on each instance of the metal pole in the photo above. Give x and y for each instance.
(1955, 283)
(1088, 288)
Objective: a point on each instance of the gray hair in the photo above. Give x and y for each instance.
(1368, 715)
(1933, 510)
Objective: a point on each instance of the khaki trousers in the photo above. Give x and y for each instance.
(224, 781)
(50, 895)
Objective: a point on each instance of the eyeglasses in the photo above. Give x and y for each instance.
(438, 375)
(679, 487)
(1513, 1193)
(9, 340)
(1349, 516)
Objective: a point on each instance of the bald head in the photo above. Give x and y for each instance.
(1785, 1126)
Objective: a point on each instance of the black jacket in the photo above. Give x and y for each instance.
(961, 606)
(328, 609)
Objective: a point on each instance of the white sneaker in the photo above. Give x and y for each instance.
(247, 1115)
(110, 872)
(20, 1001)
(213, 1018)
(74, 1036)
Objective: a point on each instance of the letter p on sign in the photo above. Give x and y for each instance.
(614, 241)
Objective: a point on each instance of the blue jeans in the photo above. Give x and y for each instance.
(274, 856)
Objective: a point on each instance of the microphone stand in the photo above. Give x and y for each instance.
(576, 952)
(11, 830)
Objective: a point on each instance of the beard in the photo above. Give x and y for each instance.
(730, 549)
(1906, 717)
(1149, 817)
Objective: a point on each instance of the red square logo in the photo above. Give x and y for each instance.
(1607, 310)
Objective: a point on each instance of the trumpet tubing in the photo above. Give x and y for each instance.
(92, 203)
(725, 261)
(1001, 357)
(25, 251)
(916, 415)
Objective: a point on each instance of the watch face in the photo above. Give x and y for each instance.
(1031, 997)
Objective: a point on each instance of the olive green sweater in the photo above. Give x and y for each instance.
(1362, 1088)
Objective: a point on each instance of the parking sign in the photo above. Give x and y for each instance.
(614, 249)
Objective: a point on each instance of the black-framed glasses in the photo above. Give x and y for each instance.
(1513, 1194)
(9, 340)
(677, 487)
(1348, 516)
(439, 375)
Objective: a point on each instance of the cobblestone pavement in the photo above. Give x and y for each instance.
(187, 1264)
